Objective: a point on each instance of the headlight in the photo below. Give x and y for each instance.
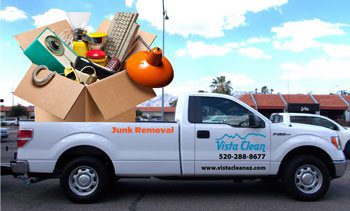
(335, 141)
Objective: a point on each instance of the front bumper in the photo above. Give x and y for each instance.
(340, 168)
(19, 167)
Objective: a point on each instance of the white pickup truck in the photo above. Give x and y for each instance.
(244, 144)
(318, 120)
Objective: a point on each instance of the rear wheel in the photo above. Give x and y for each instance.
(85, 179)
(306, 178)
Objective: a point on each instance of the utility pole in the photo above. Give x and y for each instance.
(165, 17)
(13, 100)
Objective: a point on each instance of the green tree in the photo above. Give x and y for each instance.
(264, 90)
(138, 115)
(220, 85)
(18, 111)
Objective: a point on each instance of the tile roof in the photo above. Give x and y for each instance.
(7, 108)
(269, 101)
(347, 98)
(156, 109)
(247, 99)
(330, 102)
(298, 98)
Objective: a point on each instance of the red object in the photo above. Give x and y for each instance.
(156, 109)
(96, 54)
(23, 137)
(150, 69)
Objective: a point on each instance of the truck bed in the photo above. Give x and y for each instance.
(142, 148)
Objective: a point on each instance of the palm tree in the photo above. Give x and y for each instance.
(220, 85)
(264, 90)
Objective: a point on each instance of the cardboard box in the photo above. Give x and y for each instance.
(111, 99)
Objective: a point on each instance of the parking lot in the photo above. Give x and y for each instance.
(154, 194)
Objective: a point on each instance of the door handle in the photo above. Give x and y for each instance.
(203, 134)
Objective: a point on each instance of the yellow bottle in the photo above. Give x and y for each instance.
(80, 47)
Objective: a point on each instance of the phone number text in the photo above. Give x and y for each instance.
(241, 156)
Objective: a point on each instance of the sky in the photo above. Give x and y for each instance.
(291, 46)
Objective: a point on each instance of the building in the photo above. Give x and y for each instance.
(155, 113)
(5, 112)
(336, 107)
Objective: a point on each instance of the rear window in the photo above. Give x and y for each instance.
(276, 118)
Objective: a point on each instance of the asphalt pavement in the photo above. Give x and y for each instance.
(154, 194)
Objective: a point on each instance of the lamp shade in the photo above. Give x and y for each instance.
(150, 69)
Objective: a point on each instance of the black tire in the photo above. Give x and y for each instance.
(347, 150)
(12, 124)
(89, 165)
(309, 164)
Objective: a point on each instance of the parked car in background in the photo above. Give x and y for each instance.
(9, 121)
(4, 132)
(313, 119)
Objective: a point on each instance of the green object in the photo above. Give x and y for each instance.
(49, 50)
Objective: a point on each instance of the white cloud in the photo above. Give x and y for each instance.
(89, 28)
(128, 3)
(254, 53)
(51, 16)
(109, 17)
(300, 35)
(255, 40)
(337, 51)
(238, 81)
(316, 69)
(200, 49)
(234, 44)
(12, 14)
(205, 18)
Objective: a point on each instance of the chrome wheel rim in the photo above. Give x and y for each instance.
(308, 179)
(83, 180)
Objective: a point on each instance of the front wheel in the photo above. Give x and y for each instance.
(347, 150)
(306, 178)
(85, 179)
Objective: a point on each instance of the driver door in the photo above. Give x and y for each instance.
(225, 144)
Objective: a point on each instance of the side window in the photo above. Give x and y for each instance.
(325, 123)
(276, 118)
(218, 111)
(313, 121)
(299, 119)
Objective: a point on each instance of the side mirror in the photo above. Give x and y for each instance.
(255, 121)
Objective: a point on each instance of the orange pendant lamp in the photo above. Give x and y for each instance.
(150, 68)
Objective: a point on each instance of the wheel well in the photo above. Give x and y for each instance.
(83, 150)
(347, 144)
(309, 150)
